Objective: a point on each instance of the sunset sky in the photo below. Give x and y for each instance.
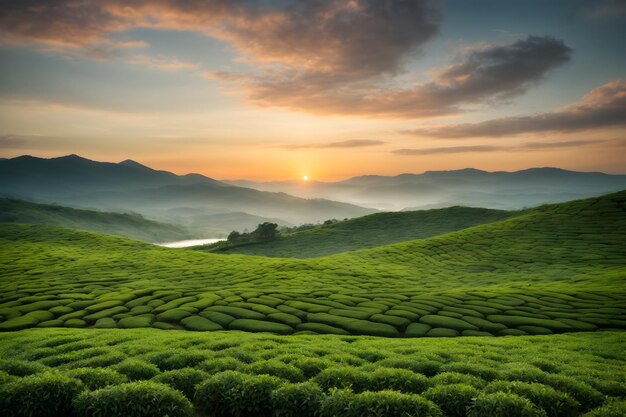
(278, 89)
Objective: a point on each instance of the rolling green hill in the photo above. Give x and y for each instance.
(130, 225)
(365, 232)
(557, 268)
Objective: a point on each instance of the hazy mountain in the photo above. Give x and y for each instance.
(123, 224)
(470, 187)
(128, 185)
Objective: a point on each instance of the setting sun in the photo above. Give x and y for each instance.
(305, 178)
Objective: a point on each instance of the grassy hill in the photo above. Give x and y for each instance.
(365, 232)
(129, 225)
(557, 268)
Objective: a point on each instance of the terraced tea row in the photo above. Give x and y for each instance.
(146, 372)
(554, 269)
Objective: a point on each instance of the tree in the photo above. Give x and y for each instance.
(234, 236)
(266, 231)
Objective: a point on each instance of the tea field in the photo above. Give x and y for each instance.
(554, 269)
(148, 372)
(364, 232)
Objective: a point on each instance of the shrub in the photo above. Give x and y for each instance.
(417, 330)
(237, 312)
(43, 395)
(75, 323)
(276, 368)
(554, 403)
(401, 380)
(500, 404)
(250, 325)
(446, 378)
(135, 322)
(135, 369)
(343, 403)
(232, 393)
(217, 317)
(615, 409)
(184, 380)
(515, 321)
(587, 396)
(447, 323)
(105, 323)
(441, 332)
(174, 315)
(297, 400)
(343, 377)
(170, 360)
(424, 367)
(21, 368)
(285, 318)
(94, 378)
(200, 324)
(311, 366)
(321, 328)
(453, 399)
(355, 326)
(135, 399)
(483, 371)
(216, 365)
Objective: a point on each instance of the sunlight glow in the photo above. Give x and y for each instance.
(305, 178)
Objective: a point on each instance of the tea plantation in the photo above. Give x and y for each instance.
(147, 372)
(365, 232)
(555, 269)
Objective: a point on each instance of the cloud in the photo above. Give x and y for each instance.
(316, 56)
(12, 141)
(485, 74)
(603, 107)
(529, 146)
(352, 143)
(447, 150)
(163, 63)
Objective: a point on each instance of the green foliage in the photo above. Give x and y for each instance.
(21, 368)
(344, 403)
(613, 409)
(554, 403)
(47, 394)
(183, 380)
(501, 404)
(297, 400)
(135, 369)
(233, 394)
(95, 378)
(453, 399)
(135, 399)
(355, 379)
(250, 325)
(276, 368)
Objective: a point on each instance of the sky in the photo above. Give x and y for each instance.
(280, 89)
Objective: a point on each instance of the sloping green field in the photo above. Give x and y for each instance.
(365, 232)
(146, 372)
(133, 226)
(557, 268)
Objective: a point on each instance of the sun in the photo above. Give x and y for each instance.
(305, 178)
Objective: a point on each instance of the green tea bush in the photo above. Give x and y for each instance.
(482, 371)
(447, 378)
(94, 378)
(250, 325)
(135, 399)
(136, 369)
(174, 315)
(343, 377)
(502, 404)
(183, 380)
(344, 403)
(421, 366)
(417, 330)
(47, 394)
(135, 322)
(200, 324)
(587, 396)
(170, 360)
(447, 323)
(297, 400)
(321, 328)
(612, 409)
(233, 394)
(276, 368)
(401, 380)
(215, 365)
(311, 366)
(553, 402)
(453, 399)
(21, 368)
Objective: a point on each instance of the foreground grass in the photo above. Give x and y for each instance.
(365, 232)
(129, 225)
(558, 268)
(146, 372)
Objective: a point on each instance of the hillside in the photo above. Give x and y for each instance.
(553, 269)
(130, 225)
(465, 187)
(365, 232)
(129, 186)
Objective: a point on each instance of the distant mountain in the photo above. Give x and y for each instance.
(468, 187)
(365, 232)
(123, 224)
(128, 185)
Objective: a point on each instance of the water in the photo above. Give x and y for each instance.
(187, 243)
